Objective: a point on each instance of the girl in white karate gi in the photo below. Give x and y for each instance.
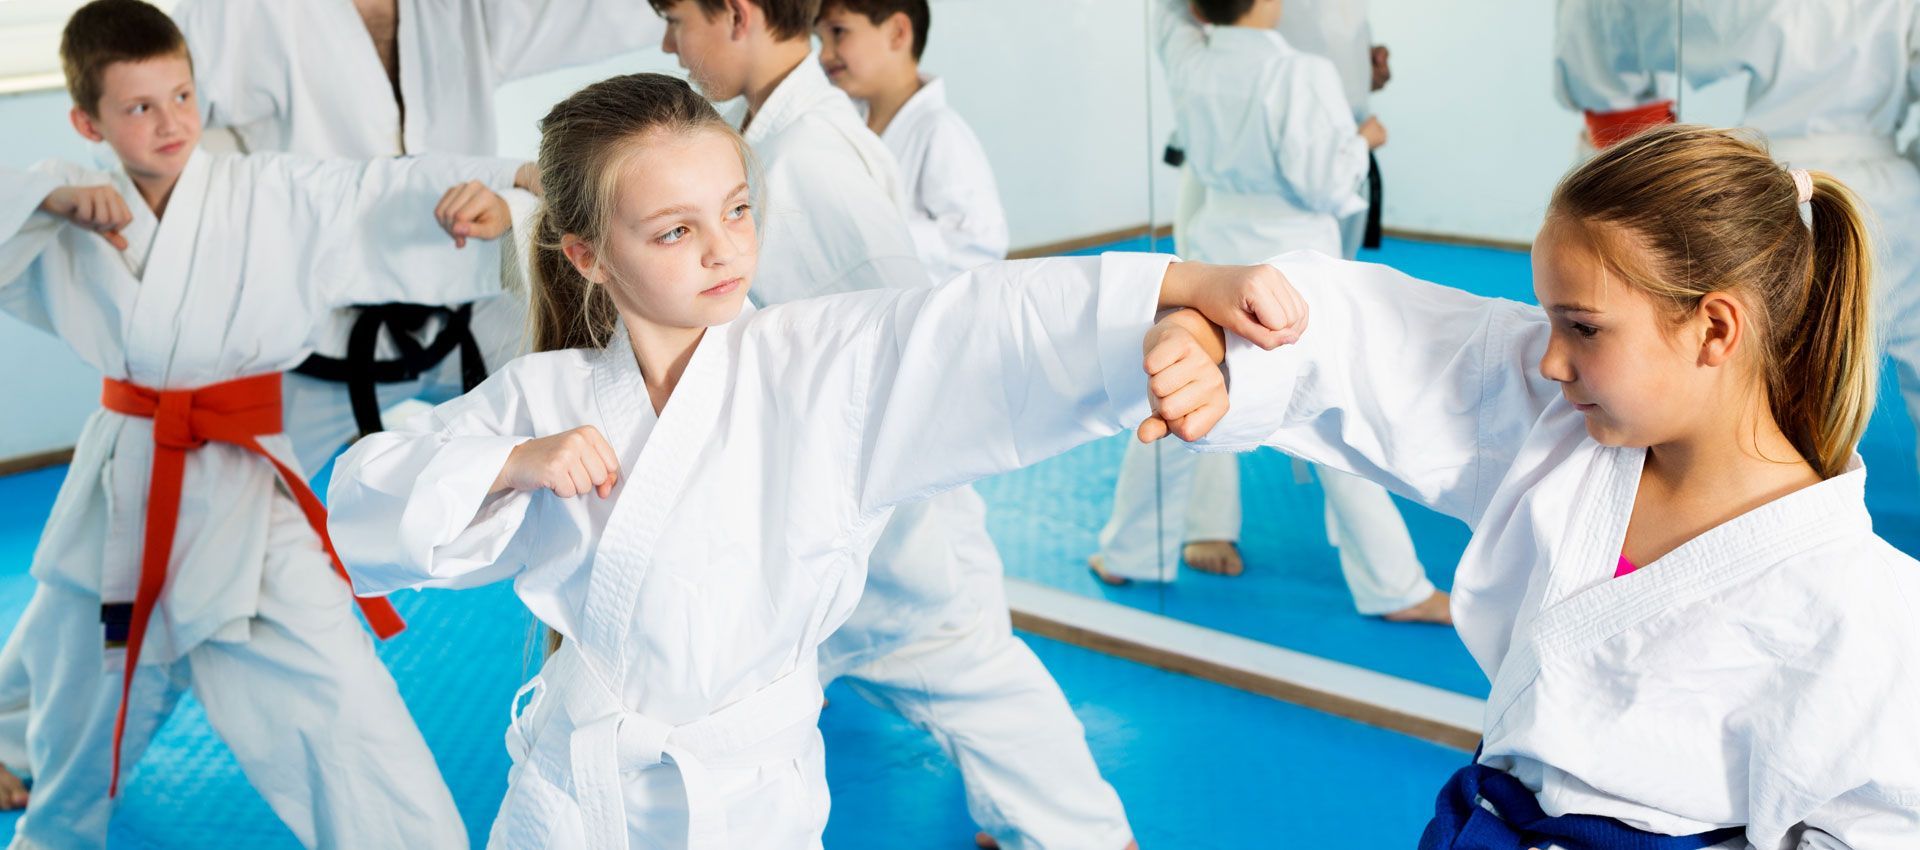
(1673, 584)
(687, 489)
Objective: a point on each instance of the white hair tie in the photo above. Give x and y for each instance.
(1802, 183)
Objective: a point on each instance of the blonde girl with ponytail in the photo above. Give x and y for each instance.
(687, 490)
(1694, 637)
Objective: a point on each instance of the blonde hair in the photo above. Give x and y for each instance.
(1712, 212)
(585, 143)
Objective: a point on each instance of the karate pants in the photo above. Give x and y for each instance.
(1031, 781)
(311, 715)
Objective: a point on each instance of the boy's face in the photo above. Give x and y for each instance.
(855, 51)
(148, 114)
(713, 50)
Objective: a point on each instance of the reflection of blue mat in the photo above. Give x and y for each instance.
(462, 658)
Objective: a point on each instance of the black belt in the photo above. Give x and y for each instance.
(361, 371)
(1372, 237)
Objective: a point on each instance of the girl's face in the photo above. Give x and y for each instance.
(1640, 379)
(680, 249)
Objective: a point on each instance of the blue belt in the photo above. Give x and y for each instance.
(1461, 823)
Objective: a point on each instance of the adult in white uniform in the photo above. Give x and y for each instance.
(931, 638)
(251, 615)
(1829, 83)
(1284, 181)
(375, 78)
(737, 500)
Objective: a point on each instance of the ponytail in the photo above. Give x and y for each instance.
(567, 310)
(1829, 366)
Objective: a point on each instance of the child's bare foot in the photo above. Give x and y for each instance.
(1219, 557)
(1437, 608)
(13, 792)
(1099, 568)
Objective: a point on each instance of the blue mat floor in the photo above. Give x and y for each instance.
(1199, 765)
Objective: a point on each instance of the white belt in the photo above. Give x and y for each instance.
(1831, 147)
(776, 723)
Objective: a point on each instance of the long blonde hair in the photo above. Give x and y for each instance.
(1714, 213)
(585, 142)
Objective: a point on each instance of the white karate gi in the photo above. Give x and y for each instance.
(953, 206)
(1765, 674)
(251, 253)
(931, 638)
(1829, 84)
(1338, 30)
(1259, 187)
(301, 76)
(694, 601)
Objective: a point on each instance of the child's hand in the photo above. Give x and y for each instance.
(1255, 302)
(570, 463)
(96, 208)
(1374, 132)
(527, 177)
(1184, 379)
(472, 211)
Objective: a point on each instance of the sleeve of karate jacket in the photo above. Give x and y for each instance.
(1425, 389)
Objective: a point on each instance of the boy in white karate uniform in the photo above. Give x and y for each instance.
(324, 78)
(931, 638)
(871, 50)
(184, 548)
(1282, 181)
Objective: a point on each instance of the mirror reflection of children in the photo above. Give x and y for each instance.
(1269, 167)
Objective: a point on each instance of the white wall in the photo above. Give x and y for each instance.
(45, 389)
(1476, 140)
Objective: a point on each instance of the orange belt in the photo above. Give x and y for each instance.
(235, 412)
(1606, 128)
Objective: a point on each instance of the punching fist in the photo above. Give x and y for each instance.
(472, 211)
(96, 208)
(570, 463)
(1255, 302)
(1189, 392)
